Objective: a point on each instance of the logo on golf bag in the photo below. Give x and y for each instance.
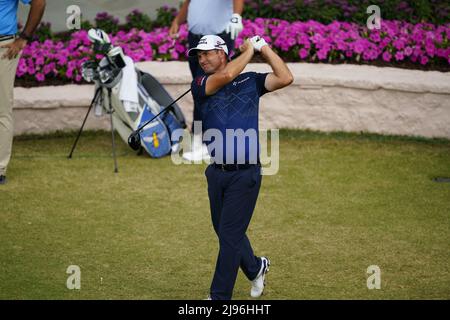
(155, 140)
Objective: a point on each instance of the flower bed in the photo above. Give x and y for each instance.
(327, 11)
(396, 43)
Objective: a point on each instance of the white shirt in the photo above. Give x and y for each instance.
(209, 16)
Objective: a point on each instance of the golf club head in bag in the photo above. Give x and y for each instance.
(100, 39)
(98, 35)
(134, 140)
(89, 71)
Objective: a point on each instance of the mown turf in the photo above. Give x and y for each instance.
(339, 203)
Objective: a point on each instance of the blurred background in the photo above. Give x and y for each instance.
(55, 11)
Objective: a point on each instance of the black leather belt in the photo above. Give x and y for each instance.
(4, 38)
(234, 167)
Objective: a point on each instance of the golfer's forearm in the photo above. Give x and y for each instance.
(226, 75)
(34, 16)
(238, 6)
(182, 15)
(280, 69)
(235, 67)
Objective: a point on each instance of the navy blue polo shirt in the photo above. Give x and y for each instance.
(231, 112)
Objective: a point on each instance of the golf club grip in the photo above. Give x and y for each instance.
(162, 111)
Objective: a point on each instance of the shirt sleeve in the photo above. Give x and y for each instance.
(26, 1)
(260, 79)
(198, 87)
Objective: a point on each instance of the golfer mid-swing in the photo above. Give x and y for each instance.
(228, 101)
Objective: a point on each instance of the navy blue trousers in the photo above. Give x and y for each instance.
(232, 198)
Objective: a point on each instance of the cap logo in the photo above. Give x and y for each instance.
(219, 45)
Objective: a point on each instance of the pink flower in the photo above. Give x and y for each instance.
(399, 44)
(399, 56)
(69, 73)
(174, 54)
(395, 41)
(62, 60)
(358, 47)
(423, 60)
(48, 68)
(40, 77)
(408, 51)
(303, 53)
(40, 60)
(375, 36)
(387, 56)
(163, 49)
(322, 54)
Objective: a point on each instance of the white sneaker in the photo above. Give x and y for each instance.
(259, 282)
(197, 154)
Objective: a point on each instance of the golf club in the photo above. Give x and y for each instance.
(134, 140)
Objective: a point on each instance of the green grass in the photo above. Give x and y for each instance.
(339, 203)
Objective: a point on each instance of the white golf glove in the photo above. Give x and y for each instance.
(258, 42)
(235, 25)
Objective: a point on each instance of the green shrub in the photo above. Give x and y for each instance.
(107, 22)
(326, 11)
(165, 15)
(43, 32)
(139, 20)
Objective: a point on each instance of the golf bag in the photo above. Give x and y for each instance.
(108, 77)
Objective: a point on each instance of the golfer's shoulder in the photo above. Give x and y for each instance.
(251, 78)
(198, 86)
(247, 77)
(252, 82)
(252, 75)
(199, 80)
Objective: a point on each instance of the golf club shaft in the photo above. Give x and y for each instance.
(162, 111)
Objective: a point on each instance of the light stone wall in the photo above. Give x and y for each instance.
(322, 97)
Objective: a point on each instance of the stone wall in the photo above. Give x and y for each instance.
(322, 97)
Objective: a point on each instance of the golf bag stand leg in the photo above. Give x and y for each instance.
(93, 102)
(111, 110)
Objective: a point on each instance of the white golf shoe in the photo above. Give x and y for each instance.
(199, 150)
(259, 282)
(197, 154)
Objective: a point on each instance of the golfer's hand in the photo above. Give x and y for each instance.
(174, 28)
(258, 42)
(14, 48)
(234, 26)
(247, 45)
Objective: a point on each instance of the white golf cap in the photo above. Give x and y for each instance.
(209, 42)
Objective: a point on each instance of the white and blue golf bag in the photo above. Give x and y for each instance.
(113, 75)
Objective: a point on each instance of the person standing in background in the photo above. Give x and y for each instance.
(11, 46)
(212, 17)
